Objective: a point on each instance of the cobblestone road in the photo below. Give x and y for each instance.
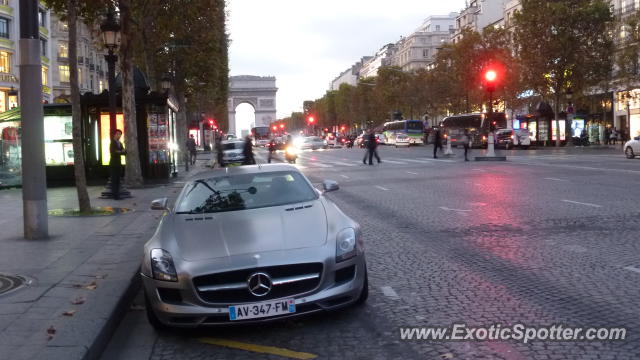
(549, 237)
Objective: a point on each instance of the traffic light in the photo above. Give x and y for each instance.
(311, 119)
(342, 128)
(492, 125)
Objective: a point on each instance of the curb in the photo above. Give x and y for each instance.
(100, 342)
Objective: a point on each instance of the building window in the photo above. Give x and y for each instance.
(5, 62)
(437, 27)
(425, 53)
(4, 28)
(45, 76)
(63, 50)
(42, 17)
(64, 73)
(100, 86)
(62, 26)
(43, 47)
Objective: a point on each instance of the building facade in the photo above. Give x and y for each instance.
(349, 76)
(54, 49)
(418, 50)
(381, 58)
(478, 15)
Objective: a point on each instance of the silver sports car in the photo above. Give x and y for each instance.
(248, 244)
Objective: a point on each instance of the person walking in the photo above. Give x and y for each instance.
(219, 154)
(466, 142)
(116, 150)
(191, 147)
(272, 149)
(372, 144)
(437, 142)
(247, 151)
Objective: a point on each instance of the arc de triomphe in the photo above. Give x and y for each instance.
(259, 92)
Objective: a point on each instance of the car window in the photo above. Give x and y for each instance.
(232, 146)
(245, 191)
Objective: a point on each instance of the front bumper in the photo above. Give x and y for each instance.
(192, 311)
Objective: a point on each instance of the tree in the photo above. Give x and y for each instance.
(558, 52)
(71, 10)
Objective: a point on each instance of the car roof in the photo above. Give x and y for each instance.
(244, 170)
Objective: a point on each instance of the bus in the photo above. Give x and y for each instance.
(261, 135)
(413, 128)
(478, 125)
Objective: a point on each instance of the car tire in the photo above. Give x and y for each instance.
(364, 294)
(629, 152)
(153, 319)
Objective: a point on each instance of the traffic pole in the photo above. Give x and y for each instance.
(34, 184)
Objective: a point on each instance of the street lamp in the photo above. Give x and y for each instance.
(111, 39)
(165, 83)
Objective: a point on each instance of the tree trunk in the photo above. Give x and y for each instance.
(181, 116)
(557, 119)
(133, 172)
(84, 202)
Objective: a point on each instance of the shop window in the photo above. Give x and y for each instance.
(5, 62)
(105, 136)
(64, 73)
(58, 145)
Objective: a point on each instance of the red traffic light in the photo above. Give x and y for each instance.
(311, 119)
(491, 75)
(342, 128)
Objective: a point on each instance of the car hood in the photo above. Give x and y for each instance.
(253, 231)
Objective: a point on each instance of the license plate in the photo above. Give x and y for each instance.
(263, 309)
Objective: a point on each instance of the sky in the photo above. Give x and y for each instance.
(305, 44)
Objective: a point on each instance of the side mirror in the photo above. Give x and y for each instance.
(159, 204)
(330, 185)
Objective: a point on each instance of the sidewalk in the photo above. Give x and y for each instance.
(81, 278)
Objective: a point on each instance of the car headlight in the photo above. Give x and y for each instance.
(345, 244)
(162, 267)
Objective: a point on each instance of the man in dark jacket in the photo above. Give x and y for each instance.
(437, 143)
(372, 144)
(191, 146)
(116, 150)
(248, 152)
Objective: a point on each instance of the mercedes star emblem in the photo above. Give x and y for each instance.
(259, 284)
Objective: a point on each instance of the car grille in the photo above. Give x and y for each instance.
(231, 287)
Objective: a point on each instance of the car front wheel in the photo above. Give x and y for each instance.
(629, 152)
(151, 316)
(364, 294)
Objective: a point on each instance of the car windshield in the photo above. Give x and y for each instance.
(232, 145)
(245, 191)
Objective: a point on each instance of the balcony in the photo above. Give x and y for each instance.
(92, 67)
(5, 8)
(62, 58)
(8, 78)
(80, 60)
(43, 31)
(6, 43)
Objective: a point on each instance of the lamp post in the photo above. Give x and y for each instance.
(165, 84)
(111, 39)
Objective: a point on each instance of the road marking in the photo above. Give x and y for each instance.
(382, 188)
(439, 160)
(417, 161)
(341, 163)
(457, 210)
(317, 164)
(582, 203)
(556, 179)
(395, 162)
(345, 176)
(272, 350)
(482, 170)
(389, 292)
(631, 268)
(412, 173)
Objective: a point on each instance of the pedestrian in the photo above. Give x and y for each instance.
(466, 142)
(272, 149)
(437, 142)
(371, 145)
(191, 147)
(614, 136)
(247, 151)
(607, 135)
(219, 154)
(116, 150)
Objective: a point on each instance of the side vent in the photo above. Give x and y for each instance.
(299, 208)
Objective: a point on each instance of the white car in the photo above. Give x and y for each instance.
(313, 143)
(402, 140)
(522, 138)
(632, 148)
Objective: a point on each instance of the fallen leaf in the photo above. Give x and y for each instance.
(92, 286)
(50, 331)
(446, 356)
(69, 312)
(78, 301)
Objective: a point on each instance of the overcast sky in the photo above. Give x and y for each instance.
(307, 43)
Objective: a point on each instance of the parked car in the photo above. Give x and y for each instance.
(232, 152)
(522, 138)
(504, 138)
(632, 148)
(251, 244)
(403, 140)
(313, 143)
